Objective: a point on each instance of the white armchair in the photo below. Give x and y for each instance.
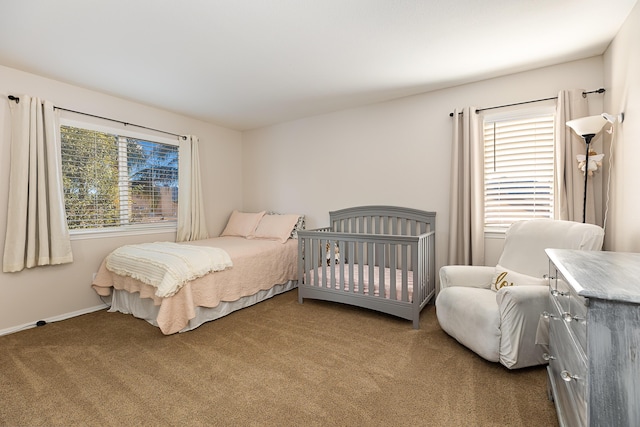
(494, 311)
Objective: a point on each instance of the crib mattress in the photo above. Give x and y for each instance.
(348, 281)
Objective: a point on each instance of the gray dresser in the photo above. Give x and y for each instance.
(594, 337)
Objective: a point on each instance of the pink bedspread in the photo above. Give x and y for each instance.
(257, 265)
(324, 280)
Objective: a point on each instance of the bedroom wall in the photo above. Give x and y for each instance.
(622, 76)
(395, 153)
(60, 291)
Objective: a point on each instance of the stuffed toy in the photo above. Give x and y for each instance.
(336, 254)
(595, 162)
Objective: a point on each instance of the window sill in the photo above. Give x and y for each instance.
(494, 234)
(122, 232)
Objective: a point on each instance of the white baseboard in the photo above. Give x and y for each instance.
(53, 319)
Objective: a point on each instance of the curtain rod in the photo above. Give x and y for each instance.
(15, 98)
(584, 95)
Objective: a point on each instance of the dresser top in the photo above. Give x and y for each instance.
(600, 274)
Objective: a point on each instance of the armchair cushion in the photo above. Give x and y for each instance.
(494, 323)
(504, 277)
(471, 316)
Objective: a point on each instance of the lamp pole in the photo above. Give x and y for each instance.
(587, 140)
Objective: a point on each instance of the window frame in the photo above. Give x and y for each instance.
(518, 114)
(127, 230)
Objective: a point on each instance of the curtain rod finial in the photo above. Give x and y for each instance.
(14, 98)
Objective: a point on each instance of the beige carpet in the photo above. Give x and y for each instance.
(277, 363)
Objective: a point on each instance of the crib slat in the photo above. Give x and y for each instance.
(381, 266)
(322, 263)
(370, 264)
(361, 267)
(351, 254)
(392, 272)
(326, 282)
(314, 261)
(327, 268)
(416, 269)
(332, 262)
(405, 273)
(340, 277)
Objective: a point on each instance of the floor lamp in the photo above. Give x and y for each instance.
(587, 128)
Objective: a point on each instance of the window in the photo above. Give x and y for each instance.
(114, 182)
(518, 169)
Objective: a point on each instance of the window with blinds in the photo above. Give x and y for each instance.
(518, 170)
(115, 181)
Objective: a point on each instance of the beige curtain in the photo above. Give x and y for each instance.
(569, 180)
(466, 207)
(37, 232)
(191, 220)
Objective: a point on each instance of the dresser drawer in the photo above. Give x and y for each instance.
(561, 294)
(568, 372)
(577, 319)
(573, 308)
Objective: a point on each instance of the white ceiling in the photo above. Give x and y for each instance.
(249, 63)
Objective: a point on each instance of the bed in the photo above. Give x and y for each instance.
(376, 257)
(264, 264)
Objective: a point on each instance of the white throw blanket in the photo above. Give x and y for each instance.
(166, 266)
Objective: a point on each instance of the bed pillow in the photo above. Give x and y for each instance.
(505, 277)
(276, 227)
(300, 225)
(242, 224)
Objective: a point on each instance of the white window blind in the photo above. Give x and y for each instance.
(115, 181)
(518, 170)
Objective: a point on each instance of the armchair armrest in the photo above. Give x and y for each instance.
(471, 276)
(520, 308)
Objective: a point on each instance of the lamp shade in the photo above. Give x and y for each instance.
(590, 125)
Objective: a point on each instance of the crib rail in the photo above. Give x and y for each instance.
(389, 220)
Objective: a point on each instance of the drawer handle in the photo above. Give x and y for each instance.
(568, 317)
(568, 377)
(557, 293)
(547, 315)
(548, 357)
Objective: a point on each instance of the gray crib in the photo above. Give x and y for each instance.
(377, 257)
